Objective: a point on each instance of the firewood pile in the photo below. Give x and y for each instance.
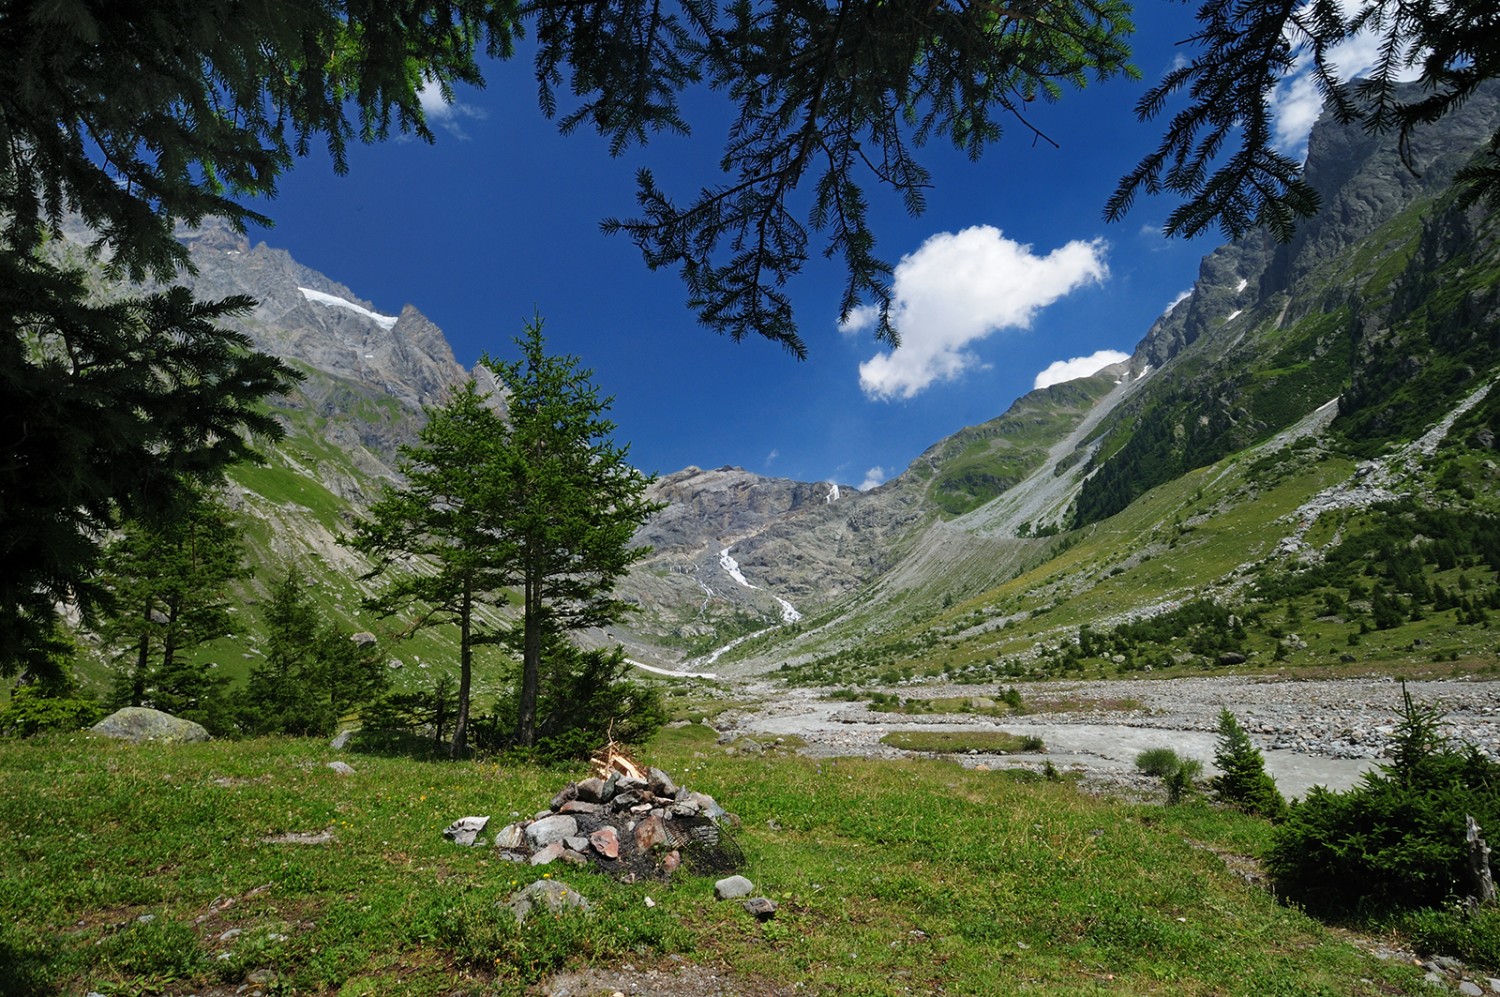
(629, 820)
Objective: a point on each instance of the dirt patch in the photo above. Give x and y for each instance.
(677, 979)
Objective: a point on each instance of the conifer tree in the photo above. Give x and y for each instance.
(438, 540)
(168, 578)
(313, 672)
(1243, 780)
(569, 506)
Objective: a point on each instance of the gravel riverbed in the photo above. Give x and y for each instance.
(1321, 732)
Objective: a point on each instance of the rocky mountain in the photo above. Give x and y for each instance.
(1296, 465)
(1301, 394)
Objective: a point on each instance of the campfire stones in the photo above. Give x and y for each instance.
(606, 841)
(553, 827)
(624, 824)
(650, 833)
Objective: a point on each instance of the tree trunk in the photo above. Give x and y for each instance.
(531, 658)
(1481, 880)
(460, 746)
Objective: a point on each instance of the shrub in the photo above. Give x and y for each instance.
(31, 711)
(1176, 772)
(1396, 841)
(1243, 781)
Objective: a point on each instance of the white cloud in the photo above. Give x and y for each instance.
(771, 457)
(959, 288)
(874, 478)
(1181, 297)
(444, 115)
(1059, 371)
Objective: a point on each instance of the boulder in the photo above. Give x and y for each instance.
(138, 723)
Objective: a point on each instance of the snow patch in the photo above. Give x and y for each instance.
(833, 494)
(334, 301)
(789, 612)
(1240, 287)
(1233, 315)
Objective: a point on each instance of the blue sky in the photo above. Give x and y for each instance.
(1010, 269)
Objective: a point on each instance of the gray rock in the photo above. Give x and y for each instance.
(707, 805)
(549, 854)
(1470, 989)
(511, 836)
(732, 887)
(464, 830)
(764, 908)
(342, 768)
(551, 894)
(138, 724)
(554, 827)
(661, 783)
(364, 638)
(1494, 984)
(341, 742)
(577, 843)
(594, 790)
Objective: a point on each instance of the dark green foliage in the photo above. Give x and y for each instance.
(168, 581)
(116, 412)
(1243, 780)
(822, 93)
(313, 673)
(447, 516)
(541, 499)
(416, 722)
(567, 504)
(586, 700)
(1396, 841)
(1470, 935)
(32, 711)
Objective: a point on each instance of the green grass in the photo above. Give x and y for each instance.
(129, 870)
(990, 742)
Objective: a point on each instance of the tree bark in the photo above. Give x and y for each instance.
(531, 658)
(1481, 880)
(460, 746)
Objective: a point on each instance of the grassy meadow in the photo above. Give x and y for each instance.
(158, 870)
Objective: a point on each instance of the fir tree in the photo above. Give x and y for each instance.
(569, 507)
(1243, 780)
(168, 578)
(438, 541)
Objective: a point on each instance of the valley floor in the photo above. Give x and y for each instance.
(1322, 732)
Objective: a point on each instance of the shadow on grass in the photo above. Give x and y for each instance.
(397, 744)
(24, 969)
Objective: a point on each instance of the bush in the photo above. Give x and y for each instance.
(1176, 772)
(1243, 781)
(31, 711)
(1396, 841)
(1470, 935)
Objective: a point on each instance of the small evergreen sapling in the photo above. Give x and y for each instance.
(1243, 781)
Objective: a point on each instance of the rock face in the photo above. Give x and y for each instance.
(138, 723)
